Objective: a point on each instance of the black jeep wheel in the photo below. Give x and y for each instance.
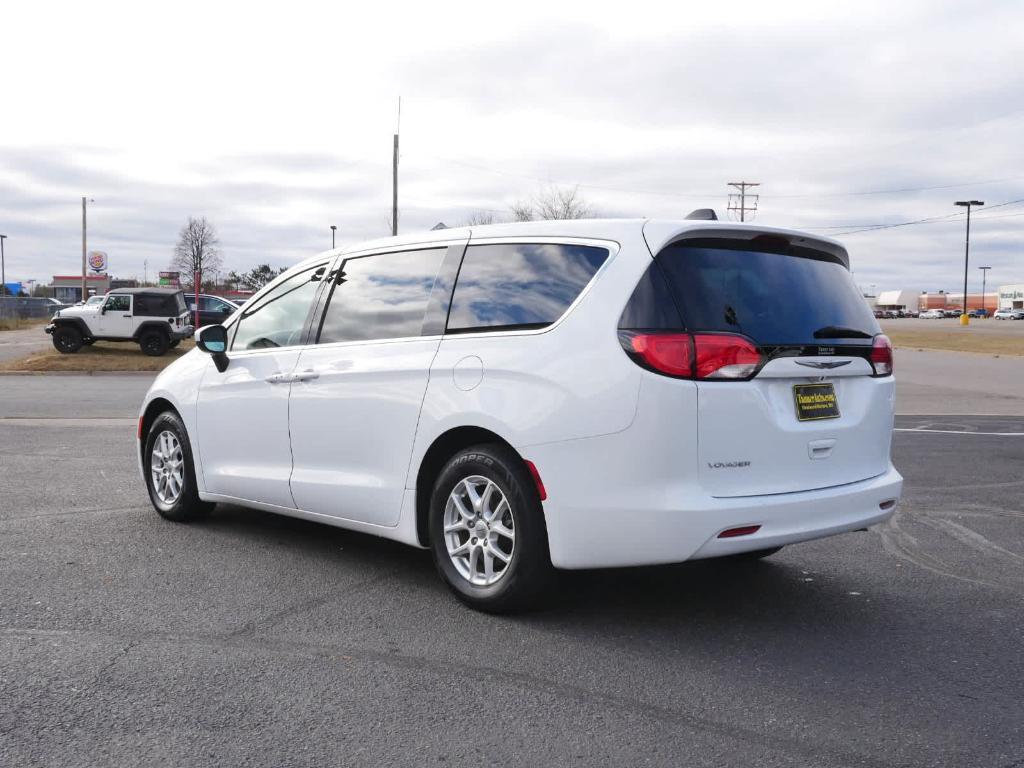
(154, 343)
(175, 343)
(67, 339)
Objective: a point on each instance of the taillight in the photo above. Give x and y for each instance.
(711, 356)
(881, 355)
(670, 353)
(725, 356)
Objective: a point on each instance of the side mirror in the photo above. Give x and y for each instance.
(103, 309)
(213, 340)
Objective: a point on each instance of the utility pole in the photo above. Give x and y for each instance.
(3, 268)
(85, 290)
(738, 200)
(964, 319)
(333, 228)
(394, 174)
(984, 274)
(145, 271)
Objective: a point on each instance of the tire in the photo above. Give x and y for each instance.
(511, 585)
(757, 554)
(88, 342)
(154, 343)
(174, 343)
(67, 339)
(185, 505)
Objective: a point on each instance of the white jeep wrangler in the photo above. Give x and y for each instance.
(154, 318)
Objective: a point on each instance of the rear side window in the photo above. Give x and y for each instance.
(383, 296)
(771, 292)
(520, 286)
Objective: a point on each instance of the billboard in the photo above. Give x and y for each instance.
(170, 279)
(97, 261)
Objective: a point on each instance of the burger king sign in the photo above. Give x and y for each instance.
(97, 261)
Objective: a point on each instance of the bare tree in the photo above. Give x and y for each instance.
(197, 250)
(553, 203)
(479, 219)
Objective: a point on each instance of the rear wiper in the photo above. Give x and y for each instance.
(841, 332)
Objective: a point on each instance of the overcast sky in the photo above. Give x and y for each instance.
(275, 120)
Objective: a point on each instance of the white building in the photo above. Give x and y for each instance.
(1011, 296)
(906, 300)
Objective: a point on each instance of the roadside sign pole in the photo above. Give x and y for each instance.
(196, 278)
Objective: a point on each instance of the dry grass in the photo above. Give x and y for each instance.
(957, 340)
(101, 356)
(18, 324)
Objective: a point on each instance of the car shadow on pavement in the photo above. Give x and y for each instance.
(772, 592)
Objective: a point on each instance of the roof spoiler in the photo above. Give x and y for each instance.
(702, 214)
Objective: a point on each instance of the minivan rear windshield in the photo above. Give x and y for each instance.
(774, 294)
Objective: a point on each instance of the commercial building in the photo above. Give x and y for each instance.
(902, 301)
(67, 289)
(1011, 296)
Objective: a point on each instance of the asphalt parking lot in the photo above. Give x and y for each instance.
(259, 640)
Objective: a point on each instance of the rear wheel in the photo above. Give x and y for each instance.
(67, 339)
(487, 531)
(170, 471)
(175, 343)
(154, 343)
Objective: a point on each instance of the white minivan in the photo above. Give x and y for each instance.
(535, 396)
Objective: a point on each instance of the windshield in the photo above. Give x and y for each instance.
(788, 296)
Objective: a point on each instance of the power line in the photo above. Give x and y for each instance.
(928, 220)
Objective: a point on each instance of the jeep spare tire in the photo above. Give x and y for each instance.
(154, 343)
(67, 339)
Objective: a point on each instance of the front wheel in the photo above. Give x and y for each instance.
(170, 471)
(67, 339)
(487, 531)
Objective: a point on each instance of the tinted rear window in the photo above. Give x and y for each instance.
(773, 295)
(520, 285)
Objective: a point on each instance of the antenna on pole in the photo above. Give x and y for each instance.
(394, 174)
(738, 200)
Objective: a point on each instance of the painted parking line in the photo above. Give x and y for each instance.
(957, 432)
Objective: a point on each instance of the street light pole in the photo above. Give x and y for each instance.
(984, 275)
(333, 228)
(964, 319)
(3, 268)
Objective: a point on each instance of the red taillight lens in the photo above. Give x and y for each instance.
(670, 353)
(725, 356)
(745, 530)
(701, 356)
(881, 355)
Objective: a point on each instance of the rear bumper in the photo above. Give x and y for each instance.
(602, 538)
(185, 332)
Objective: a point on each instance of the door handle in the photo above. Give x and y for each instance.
(277, 378)
(307, 375)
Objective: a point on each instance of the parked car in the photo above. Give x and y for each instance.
(212, 309)
(932, 314)
(1009, 314)
(154, 318)
(978, 313)
(523, 397)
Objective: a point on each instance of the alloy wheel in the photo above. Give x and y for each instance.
(167, 467)
(479, 530)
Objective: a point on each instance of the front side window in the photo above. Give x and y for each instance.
(383, 296)
(519, 286)
(122, 303)
(278, 317)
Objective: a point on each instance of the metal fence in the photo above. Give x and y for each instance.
(25, 308)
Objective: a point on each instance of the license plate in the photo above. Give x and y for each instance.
(815, 401)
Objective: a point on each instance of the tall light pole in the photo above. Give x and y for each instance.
(3, 268)
(85, 288)
(964, 319)
(333, 228)
(984, 274)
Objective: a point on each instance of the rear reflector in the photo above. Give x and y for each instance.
(746, 530)
(881, 355)
(705, 356)
(889, 504)
(536, 479)
(138, 435)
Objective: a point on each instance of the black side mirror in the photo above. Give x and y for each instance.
(103, 309)
(213, 340)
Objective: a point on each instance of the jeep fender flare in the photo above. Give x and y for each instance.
(76, 322)
(152, 325)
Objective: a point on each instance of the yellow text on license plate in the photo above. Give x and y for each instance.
(815, 401)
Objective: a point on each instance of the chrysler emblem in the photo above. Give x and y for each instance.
(822, 364)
